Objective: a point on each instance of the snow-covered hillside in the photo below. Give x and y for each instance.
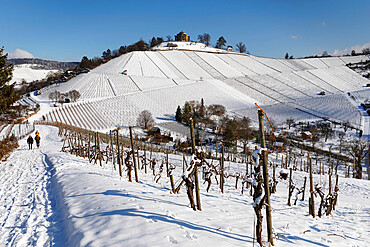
(28, 73)
(161, 80)
(53, 198)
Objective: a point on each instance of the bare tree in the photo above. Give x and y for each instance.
(341, 136)
(55, 96)
(327, 131)
(74, 95)
(245, 131)
(204, 38)
(169, 38)
(315, 135)
(217, 110)
(357, 149)
(145, 119)
(289, 122)
(241, 47)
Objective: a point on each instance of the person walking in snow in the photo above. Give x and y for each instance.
(30, 142)
(37, 139)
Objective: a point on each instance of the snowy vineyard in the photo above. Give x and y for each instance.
(304, 183)
(159, 81)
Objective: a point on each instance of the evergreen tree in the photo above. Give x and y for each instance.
(220, 42)
(186, 113)
(107, 54)
(153, 42)
(178, 114)
(286, 55)
(85, 62)
(202, 109)
(7, 94)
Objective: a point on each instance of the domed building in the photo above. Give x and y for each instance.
(182, 36)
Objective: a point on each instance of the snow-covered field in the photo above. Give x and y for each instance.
(49, 197)
(29, 74)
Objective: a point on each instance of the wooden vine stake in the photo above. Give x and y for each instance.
(119, 163)
(311, 203)
(265, 178)
(133, 155)
(291, 188)
(222, 181)
(196, 179)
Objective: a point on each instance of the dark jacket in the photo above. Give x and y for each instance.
(37, 138)
(30, 140)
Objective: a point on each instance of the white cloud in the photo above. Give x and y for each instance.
(19, 53)
(356, 48)
(294, 37)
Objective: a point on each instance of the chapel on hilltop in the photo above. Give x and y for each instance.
(182, 36)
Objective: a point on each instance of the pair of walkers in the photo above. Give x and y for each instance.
(37, 139)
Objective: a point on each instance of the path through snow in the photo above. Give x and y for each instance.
(25, 211)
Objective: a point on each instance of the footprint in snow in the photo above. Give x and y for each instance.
(151, 220)
(190, 236)
(171, 239)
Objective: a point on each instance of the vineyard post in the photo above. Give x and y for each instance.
(112, 148)
(145, 159)
(75, 146)
(290, 186)
(311, 199)
(216, 150)
(118, 156)
(222, 169)
(88, 148)
(138, 157)
(168, 172)
(80, 144)
(99, 152)
(265, 178)
(133, 155)
(308, 162)
(172, 182)
(336, 192)
(329, 173)
(304, 188)
(196, 180)
(95, 146)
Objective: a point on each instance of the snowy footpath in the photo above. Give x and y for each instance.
(53, 198)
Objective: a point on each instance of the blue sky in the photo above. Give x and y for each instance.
(68, 30)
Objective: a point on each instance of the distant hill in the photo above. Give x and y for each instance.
(43, 64)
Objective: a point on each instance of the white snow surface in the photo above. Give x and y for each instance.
(26, 72)
(186, 45)
(53, 198)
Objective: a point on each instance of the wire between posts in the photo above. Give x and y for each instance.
(273, 132)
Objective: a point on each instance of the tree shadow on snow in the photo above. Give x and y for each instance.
(132, 212)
